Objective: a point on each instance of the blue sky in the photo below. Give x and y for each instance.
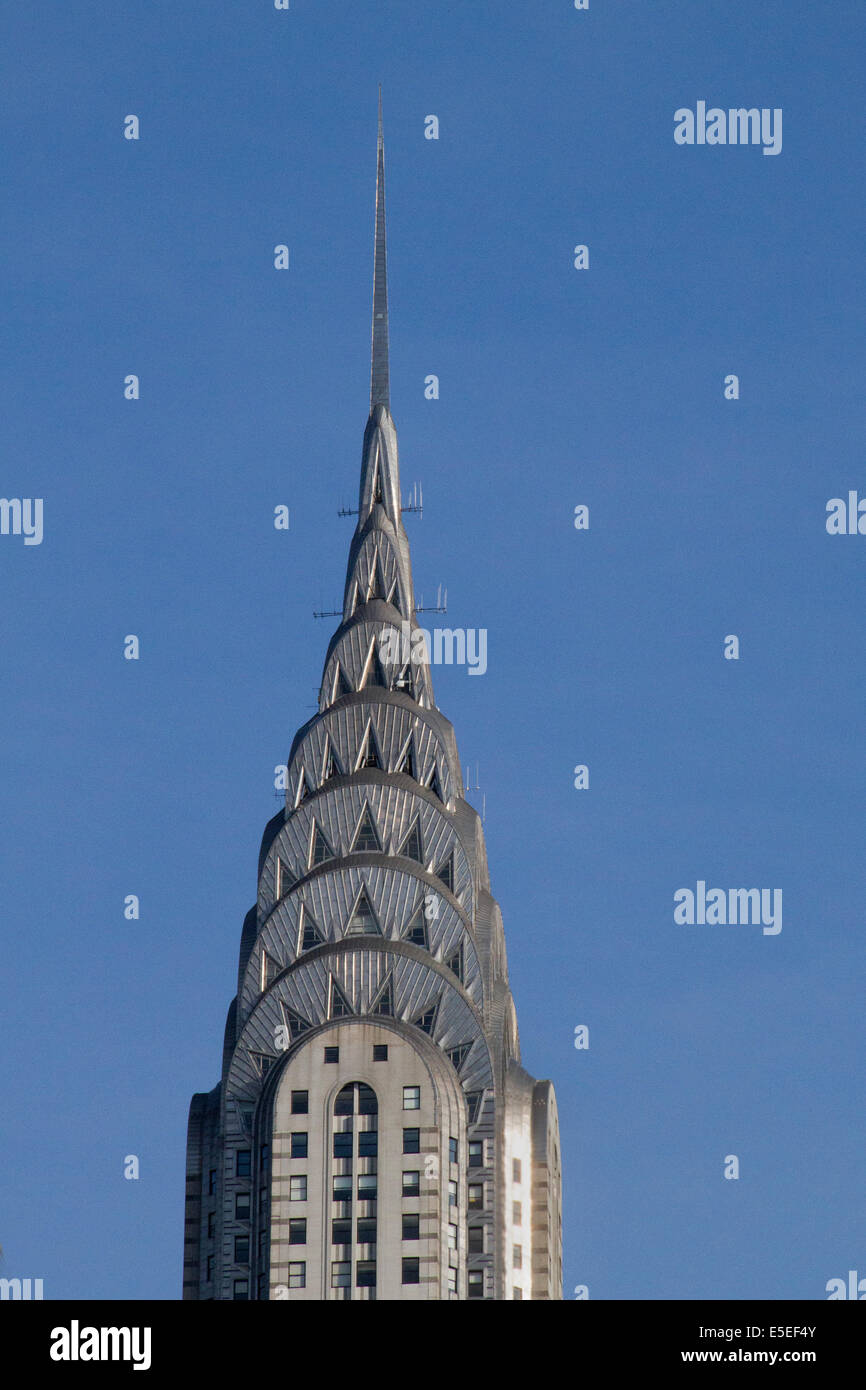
(605, 647)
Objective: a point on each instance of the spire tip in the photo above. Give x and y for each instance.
(379, 376)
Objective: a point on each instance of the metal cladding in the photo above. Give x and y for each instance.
(374, 924)
(379, 373)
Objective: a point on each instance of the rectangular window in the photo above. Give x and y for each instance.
(411, 1270)
(367, 1231)
(341, 1274)
(211, 1219)
(242, 1206)
(452, 1194)
(300, 1102)
(299, 1144)
(298, 1230)
(367, 1187)
(341, 1232)
(242, 1290)
(242, 1163)
(476, 1240)
(452, 1150)
(517, 1257)
(476, 1153)
(242, 1250)
(264, 1157)
(517, 1213)
(368, 1143)
(343, 1188)
(210, 1268)
(476, 1196)
(411, 1226)
(332, 1054)
(343, 1144)
(411, 1097)
(211, 1182)
(298, 1274)
(298, 1188)
(365, 1274)
(452, 1236)
(367, 1102)
(380, 1052)
(475, 1281)
(518, 1293)
(452, 1281)
(515, 1170)
(412, 1184)
(411, 1141)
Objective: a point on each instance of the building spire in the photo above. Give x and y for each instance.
(379, 386)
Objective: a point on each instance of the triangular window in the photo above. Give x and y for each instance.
(427, 1020)
(343, 686)
(369, 754)
(446, 873)
(285, 880)
(363, 919)
(340, 1006)
(455, 963)
(320, 850)
(394, 596)
(434, 784)
(302, 791)
(270, 969)
(261, 1061)
(373, 673)
(377, 485)
(245, 1110)
(411, 846)
(331, 766)
(404, 680)
(416, 928)
(377, 583)
(365, 836)
(310, 932)
(383, 1004)
(473, 1106)
(295, 1022)
(406, 763)
(381, 674)
(457, 1055)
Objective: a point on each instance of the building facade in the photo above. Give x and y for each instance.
(373, 1135)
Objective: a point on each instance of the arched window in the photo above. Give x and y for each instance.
(354, 1149)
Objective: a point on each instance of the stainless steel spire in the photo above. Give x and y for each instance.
(379, 386)
(373, 982)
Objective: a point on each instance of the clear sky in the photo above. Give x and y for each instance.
(558, 387)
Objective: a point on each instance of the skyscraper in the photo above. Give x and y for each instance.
(374, 1134)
